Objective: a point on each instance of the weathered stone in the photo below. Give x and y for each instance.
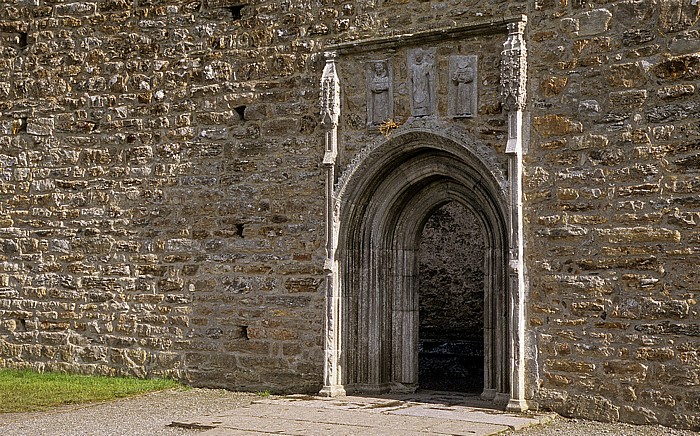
(628, 99)
(564, 232)
(570, 366)
(564, 283)
(676, 91)
(589, 107)
(626, 370)
(553, 86)
(639, 234)
(594, 22)
(302, 285)
(685, 67)
(629, 75)
(686, 42)
(588, 406)
(666, 327)
(637, 36)
(164, 191)
(556, 125)
(85, 8)
(675, 15)
(660, 354)
(589, 141)
(40, 126)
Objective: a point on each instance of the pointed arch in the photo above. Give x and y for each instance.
(382, 202)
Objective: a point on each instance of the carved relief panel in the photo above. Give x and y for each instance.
(419, 82)
(422, 82)
(380, 93)
(462, 93)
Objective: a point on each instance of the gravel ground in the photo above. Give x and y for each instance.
(581, 427)
(150, 415)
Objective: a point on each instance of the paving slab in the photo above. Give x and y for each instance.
(416, 414)
(457, 413)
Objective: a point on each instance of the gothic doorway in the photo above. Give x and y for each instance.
(451, 302)
(383, 203)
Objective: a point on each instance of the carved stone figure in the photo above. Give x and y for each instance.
(380, 101)
(462, 90)
(421, 67)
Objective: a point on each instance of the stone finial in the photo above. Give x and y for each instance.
(514, 68)
(330, 93)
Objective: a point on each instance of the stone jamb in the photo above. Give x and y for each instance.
(514, 95)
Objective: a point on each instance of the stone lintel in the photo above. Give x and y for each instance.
(428, 36)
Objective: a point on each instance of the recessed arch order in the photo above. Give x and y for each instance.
(380, 206)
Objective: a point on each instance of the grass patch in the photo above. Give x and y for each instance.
(25, 391)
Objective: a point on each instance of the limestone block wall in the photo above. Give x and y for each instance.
(612, 198)
(162, 200)
(161, 209)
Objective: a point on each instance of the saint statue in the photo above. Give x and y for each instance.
(462, 89)
(421, 81)
(379, 95)
(463, 77)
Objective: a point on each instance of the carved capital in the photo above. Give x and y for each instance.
(330, 94)
(514, 68)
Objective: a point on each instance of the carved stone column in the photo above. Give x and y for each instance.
(330, 112)
(514, 93)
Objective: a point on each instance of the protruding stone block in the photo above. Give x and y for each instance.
(40, 126)
(594, 22)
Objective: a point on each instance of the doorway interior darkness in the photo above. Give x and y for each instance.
(451, 302)
(382, 203)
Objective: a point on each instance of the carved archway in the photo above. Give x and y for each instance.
(375, 213)
(383, 206)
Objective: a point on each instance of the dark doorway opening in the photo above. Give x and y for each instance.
(451, 301)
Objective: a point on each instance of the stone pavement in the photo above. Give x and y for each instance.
(434, 413)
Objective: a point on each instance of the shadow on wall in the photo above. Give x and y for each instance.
(451, 298)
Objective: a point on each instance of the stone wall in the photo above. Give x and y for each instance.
(162, 201)
(612, 190)
(161, 191)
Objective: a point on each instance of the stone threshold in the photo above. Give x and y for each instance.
(423, 413)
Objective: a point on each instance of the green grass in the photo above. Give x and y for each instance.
(24, 391)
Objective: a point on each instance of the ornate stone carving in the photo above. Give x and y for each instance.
(422, 83)
(330, 113)
(378, 364)
(330, 93)
(514, 84)
(513, 92)
(330, 107)
(462, 86)
(380, 93)
(430, 126)
(514, 68)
